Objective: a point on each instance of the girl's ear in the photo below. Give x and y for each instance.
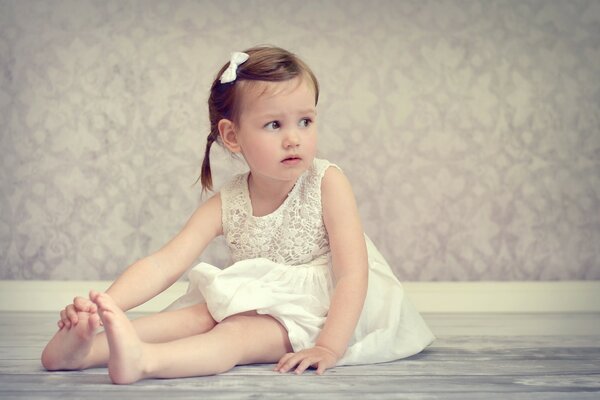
(228, 135)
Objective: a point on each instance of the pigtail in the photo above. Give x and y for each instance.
(206, 174)
(215, 114)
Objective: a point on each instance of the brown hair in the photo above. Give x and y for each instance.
(266, 63)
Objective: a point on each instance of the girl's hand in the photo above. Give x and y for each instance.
(320, 357)
(68, 316)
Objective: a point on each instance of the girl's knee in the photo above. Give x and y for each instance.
(198, 318)
(258, 338)
(236, 324)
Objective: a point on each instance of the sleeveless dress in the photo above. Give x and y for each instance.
(282, 268)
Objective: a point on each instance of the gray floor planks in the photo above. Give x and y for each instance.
(491, 356)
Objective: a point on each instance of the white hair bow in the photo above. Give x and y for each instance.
(237, 59)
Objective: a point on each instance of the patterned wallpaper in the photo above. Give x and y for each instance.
(470, 129)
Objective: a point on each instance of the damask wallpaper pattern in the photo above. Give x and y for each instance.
(470, 129)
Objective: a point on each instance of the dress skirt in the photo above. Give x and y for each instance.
(298, 296)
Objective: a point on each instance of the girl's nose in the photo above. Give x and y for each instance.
(292, 139)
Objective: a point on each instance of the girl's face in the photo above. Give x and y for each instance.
(276, 131)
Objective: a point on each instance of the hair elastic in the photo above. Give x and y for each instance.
(230, 74)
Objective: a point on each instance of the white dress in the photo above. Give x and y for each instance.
(282, 268)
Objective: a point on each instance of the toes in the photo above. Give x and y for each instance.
(101, 300)
(94, 295)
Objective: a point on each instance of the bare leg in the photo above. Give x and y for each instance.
(240, 339)
(79, 347)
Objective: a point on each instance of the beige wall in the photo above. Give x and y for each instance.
(470, 129)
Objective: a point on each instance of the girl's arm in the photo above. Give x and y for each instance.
(350, 269)
(153, 274)
(349, 261)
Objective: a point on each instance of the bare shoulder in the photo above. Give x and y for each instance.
(213, 202)
(337, 197)
(334, 178)
(208, 215)
(335, 185)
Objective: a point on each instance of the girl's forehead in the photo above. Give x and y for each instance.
(255, 90)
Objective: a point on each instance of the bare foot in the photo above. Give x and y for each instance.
(126, 363)
(69, 347)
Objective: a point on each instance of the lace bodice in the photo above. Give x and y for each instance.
(293, 234)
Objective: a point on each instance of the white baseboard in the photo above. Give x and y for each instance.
(429, 297)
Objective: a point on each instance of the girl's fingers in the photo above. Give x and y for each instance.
(303, 360)
(72, 314)
(290, 363)
(304, 364)
(94, 321)
(79, 304)
(64, 319)
(68, 316)
(300, 360)
(82, 304)
(321, 368)
(282, 361)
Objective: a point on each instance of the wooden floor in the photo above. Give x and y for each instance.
(476, 356)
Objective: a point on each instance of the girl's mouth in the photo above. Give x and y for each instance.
(293, 160)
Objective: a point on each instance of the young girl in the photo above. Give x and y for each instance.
(307, 287)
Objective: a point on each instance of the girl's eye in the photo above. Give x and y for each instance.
(305, 122)
(273, 126)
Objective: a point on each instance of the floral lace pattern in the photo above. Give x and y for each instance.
(293, 234)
